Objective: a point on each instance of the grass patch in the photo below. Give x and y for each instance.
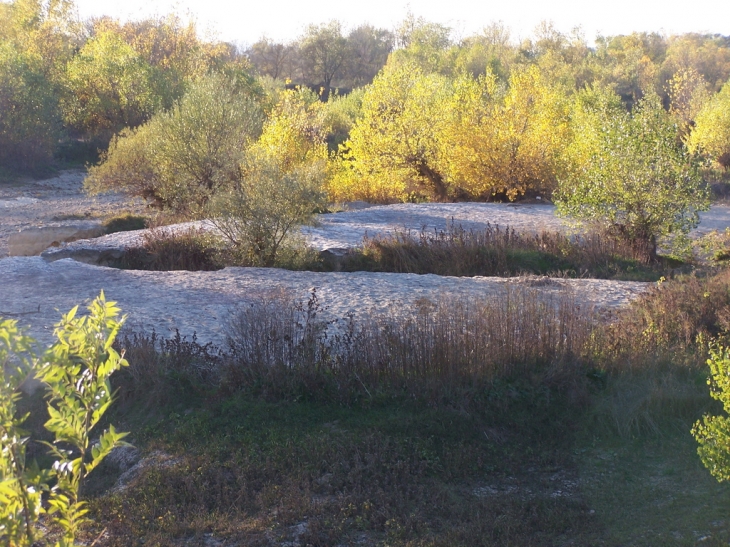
(126, 222)
(454, 423)
(193, 249)
(494, 251)
(198, 249)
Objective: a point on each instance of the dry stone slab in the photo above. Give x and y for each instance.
(37, 292)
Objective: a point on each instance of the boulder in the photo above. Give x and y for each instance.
(33, 241)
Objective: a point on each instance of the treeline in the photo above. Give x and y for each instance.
(408, 114)
(67, 86)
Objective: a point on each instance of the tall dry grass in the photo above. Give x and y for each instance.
(497, 251)
(451, 344)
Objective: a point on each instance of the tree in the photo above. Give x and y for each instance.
(370, 48)
(394, 150)
(629, 171)
(181, 157)
(324, 53)
(280, 184)
(629, 64)
(711, 134)
(109, 87)
(271, 58)
(713, 432)
(688, 92)
(423, 44)
(29, 115)
(506, 143)
(75, 372)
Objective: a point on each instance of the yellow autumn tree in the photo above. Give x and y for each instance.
(711, 134)
(506, 144)
(394, 151)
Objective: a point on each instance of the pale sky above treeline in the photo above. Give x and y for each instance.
(244, 22)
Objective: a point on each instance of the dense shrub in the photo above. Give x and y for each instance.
(29, 114)
(181, 157)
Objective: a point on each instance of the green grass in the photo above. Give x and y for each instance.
(503, 252)
(654, 491)
(394, 474)
(125, 222)
(250, 472)
(527, 453)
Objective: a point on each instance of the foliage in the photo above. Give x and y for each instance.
(506, 143)
(393, 150)
(688, 92)
(630, 173)
(341, 112)
(324, 51)
(423, 44)
(279, 184)
(181, 157)
(109, 87)
(500, 252)
(258, 213)
(75, 371)
(445, 138)
(21, 485)
(711, 134)
(29, 114)
(713, 432)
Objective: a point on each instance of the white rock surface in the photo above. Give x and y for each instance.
(32, 241)
(37, 292)
(336, 232)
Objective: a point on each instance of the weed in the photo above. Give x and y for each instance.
(125, 223)
(495, 251)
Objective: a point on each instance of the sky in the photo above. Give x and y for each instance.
(244, 22)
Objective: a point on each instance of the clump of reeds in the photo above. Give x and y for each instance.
(496, 251)
(437, 346)
(193, 249)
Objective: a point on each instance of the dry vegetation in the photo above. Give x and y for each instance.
(513, 421)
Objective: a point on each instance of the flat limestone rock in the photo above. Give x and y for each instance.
(33, 241)
(36, 292)
(106, 250)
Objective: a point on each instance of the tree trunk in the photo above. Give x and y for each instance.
(438, 186)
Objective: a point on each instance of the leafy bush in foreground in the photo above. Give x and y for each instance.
(75, 371)
(713, 432)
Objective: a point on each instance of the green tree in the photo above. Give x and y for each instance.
(711, 134)
(629, 172)
(423, 44)
(272, 59)
(280, 183)
(324, 53)
(109, 87)
(30, 124)
(369, 48)
(181, 157)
